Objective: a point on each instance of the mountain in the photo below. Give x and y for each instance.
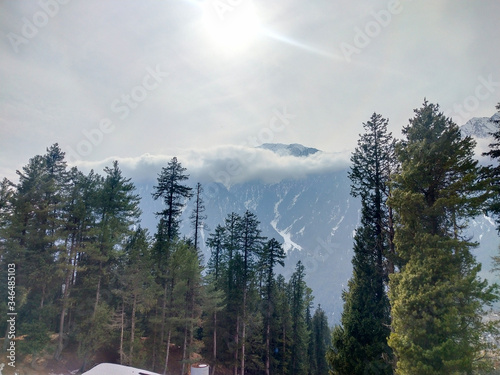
(481, 127)
(314, 217)
(294, 149)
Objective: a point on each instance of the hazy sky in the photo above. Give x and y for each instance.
(121, 79)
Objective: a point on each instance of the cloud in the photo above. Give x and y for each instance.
(228, 165)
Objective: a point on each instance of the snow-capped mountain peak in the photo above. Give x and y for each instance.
(481, 127)
(293, 149)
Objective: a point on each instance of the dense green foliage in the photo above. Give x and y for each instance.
(437, 298)
(492, 174)
(416, 200)
(359, 346)
(88, 272)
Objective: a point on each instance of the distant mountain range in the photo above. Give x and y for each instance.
(481, 127)
(315, 218)
(289, 150)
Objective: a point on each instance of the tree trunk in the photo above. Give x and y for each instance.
(268, 334)
(122, 332)
(97, 295)
(168, 352)
(155, 333)
(236, 342)
(163, 314)
(215, 341)
(65, 297)
(243, 333)
(284, 348)
(132, 330)
(184, 348)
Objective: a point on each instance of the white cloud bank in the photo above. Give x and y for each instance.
(228, 165)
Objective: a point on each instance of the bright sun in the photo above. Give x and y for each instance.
(232, 25)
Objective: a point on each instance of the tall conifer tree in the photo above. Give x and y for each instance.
(360, 345)
(437, 298)
(173, 192)
(492, 173)
(198, 217)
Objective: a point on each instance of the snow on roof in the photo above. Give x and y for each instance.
(113, 369)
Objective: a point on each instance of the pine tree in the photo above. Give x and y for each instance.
(80, 213)
(360, 345)
(197, 217)
(115, 212)
(281, 328)
(234, 281)
(6, 194)
(299, 334)
(492, 174)
(216, 269)
(251, 243)
(118, 211)
(271, 255)
(34, 229)
(137, 287)
(437, 297)
(320, 338)
(172, 192)
(182, 304)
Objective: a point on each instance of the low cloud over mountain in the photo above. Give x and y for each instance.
(232, 165)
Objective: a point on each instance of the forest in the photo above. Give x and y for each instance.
(89, 278)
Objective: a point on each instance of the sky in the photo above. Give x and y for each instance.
(208, 80)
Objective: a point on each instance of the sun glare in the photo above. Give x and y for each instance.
(232, 25)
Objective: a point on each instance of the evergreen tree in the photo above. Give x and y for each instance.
(214, 303)
(116, 211)
(299, 334)
(234, 292)
(437, 297)
(197, 217)
(492, 174)
(6, 194)
(137, 288)
(271, 255)
(281, 329)
(34, 228)
(320, 338)
(216, 268)
(251, 243)
(172, 192)
(360, 345)
(182, 303)
(80, 234)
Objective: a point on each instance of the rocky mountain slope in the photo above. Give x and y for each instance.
(315, 219)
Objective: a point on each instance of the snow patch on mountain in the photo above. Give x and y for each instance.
(288, 243)
(334, 229)
(481, 127)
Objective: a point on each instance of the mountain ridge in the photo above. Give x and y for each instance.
(315, 219)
